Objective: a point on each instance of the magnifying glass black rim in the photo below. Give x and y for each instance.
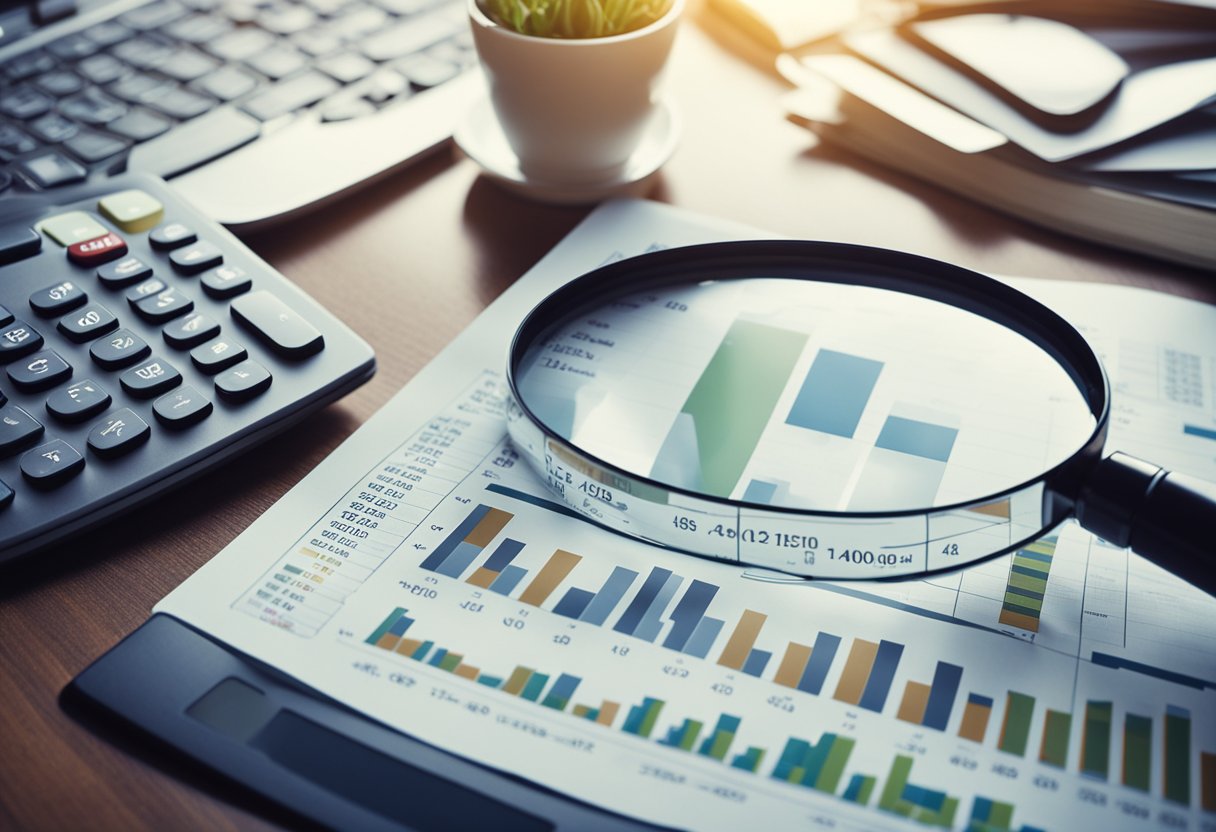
(845, 264)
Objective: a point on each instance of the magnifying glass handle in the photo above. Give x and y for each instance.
(1167, 517)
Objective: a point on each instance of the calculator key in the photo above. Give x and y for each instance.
(163, 306)
(6, 495)
(18, 429)
(170, 236)
(132, 211)
(217, 355)
(243, 382)
(88, 322)
(52, 169)
(18, 242)
(123, 272)
(119, 349)
(149, 287)
(78, 401)
(182, 408)
(150, 378)
(51, 464)
(55, 300)
(118, 433)
(72, 227)
(18, 339)
(277, 324)
(190, 331)
(39, 371)
(226, 282)
(101, 250)
(196, 258)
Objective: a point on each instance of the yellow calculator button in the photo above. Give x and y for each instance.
(72, 227)
(132, 210)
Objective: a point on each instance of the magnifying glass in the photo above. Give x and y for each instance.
(833, 411)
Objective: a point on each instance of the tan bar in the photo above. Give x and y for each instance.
(482, 577)
(742, 640)
(553, 573)
(467, 671)
(998, 509)
(856, 671)
(388, 641)
(1019, 620)
(912, 706)
(975, 722)
(608, 713)
(489, 526)
(516, 681)
(408, 646)
(793, 664)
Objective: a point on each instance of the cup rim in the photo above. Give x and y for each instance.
(483, 21)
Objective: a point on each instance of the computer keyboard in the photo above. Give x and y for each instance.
(142, 344)
(170, 85)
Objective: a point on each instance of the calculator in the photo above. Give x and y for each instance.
(140, 345)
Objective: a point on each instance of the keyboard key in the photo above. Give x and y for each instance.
(25, 102)
(119, 349)
(39, 371)
(18, 429)
(409, 36)
(240, 44)
(118, 433)
(28, 65)
(18, 242)
(153, 15)
(92, 107)
(345, 106)
(198, 29)
(170, 236)
(91, 147)
(51, 170)
(424, 71)
(287, 20)
(346, 67)
(15, 142)
(196, 257)
(102, 69)
(279, 62)
(6, 495)
(59, 83)
(226, 282)
(108, 33)
(123, 272)
(190, 331)
(150, 378)
(139, 125)
(101, 250)
(52, 464)
(53, 128)
(149, 287)
(277, 324)
(89, 322)
(178, 103)
(243, 382)
(134, 88)
(195, 143)
(77, 402)
(217, 355)
(291, 95)
(143, 52)
(132, 211)
(72, 48)
(18, 339)
(163, 306)
(71, 227)
(182, 408)
(227, 83)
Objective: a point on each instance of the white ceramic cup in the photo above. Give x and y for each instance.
(573, 110)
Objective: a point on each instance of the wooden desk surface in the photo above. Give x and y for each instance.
(408, 263)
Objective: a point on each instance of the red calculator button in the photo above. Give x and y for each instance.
(98, 250)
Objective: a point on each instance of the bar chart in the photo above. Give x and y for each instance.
(1027, 586)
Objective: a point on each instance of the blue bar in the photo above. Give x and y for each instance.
(573, 603)
(401, 625)
(981, 810)
(854, 788)
(759, 491)
(941, 695)
(756, 661)
(834, 393)
(726, 723)
(459, 559)
(1195, 430)
(609, 596)
(791, 757)
(503, 555)
(637, 714)
(978, 699)
(1117, 663)
(438, 657)
(815, 758)
(648, 628)
(688, 614)
(703, 637)
(881, 675)
(821, 662)
(532, 499)
(507, 581)
(637, 607)
(449, 544)
(908, 436)
(920, 796)
(562, 690)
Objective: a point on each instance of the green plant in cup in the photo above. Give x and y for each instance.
(574, 18)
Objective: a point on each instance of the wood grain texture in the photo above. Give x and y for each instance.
(408, 263)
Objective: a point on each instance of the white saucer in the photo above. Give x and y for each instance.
(481, 138)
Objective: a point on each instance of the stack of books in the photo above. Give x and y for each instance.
(1097, 119)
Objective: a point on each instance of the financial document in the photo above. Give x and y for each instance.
(423, 576)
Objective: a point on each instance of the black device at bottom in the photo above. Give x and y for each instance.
(308, 752)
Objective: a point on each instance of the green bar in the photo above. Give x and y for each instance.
(796, 774)
(423, 649)
(652, 716)
(945, 816)
(734, 398)
(750, 759)
(897, 779)
(1015, 732)
(1001, 815)
(1026, 582)
(385, 626)
(866, 790)
(1178, 757)
(450, 662)
(690, 734)
(535, 685)
(581, 711)
(1032, 606)
(721, 742)
(489, 681)
(833, 767)
(1137, 737)
(904, 808)
(1095, 741)
(1056, 729)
